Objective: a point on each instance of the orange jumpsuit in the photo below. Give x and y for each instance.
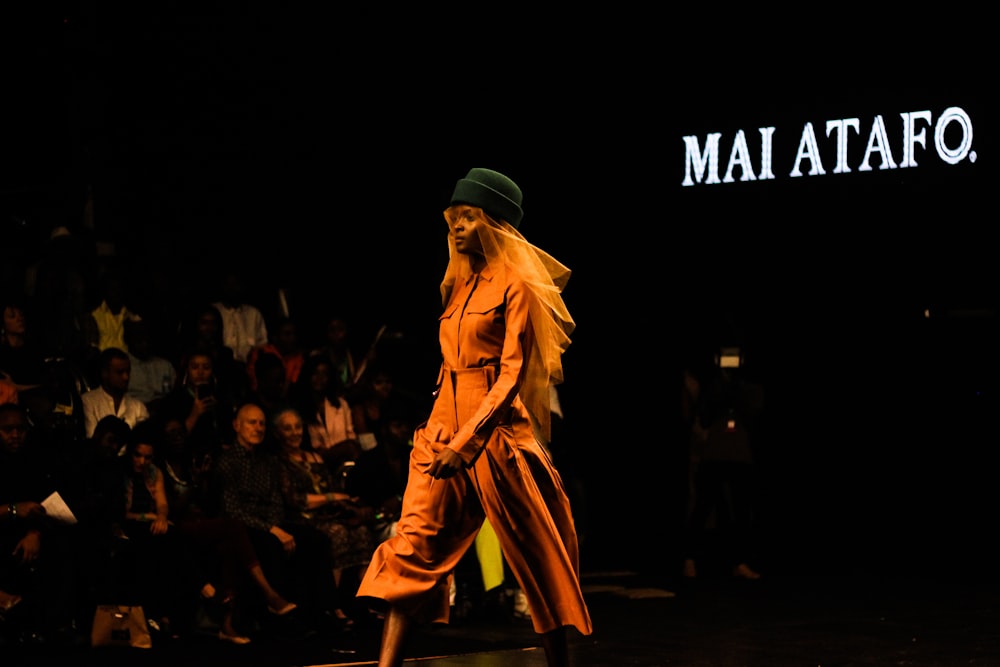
(509, 477)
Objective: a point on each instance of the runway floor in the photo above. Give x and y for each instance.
(790, 621)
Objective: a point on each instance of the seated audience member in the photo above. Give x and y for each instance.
(152, 376)
(27, 378)
(158, 567)
(243, 324)
(336, 347)
(380, 474)
(370, 399)
(112, 397)
(92, 488)
(37, 549)
(112, 313)
(285, 344)
(87, 357)
(236, 579)
(313, 496)
(272, 391)
(159, 298)
(321, 399)
(56, 407)
(93, 493)
(21, 358)
(205, 403)
(248, 477)
(201, 331)
(57, 285)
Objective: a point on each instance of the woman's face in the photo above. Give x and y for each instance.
(287, 337)
(108, 444)
(319, 380)
(199, 369)
(336, 332)
(13, 431)
(289, 428)
(463, 224)
(382, 384)
(142, 455)
(208, 326)
(13, 320)
(175, 433)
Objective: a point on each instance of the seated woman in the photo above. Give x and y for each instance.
(321, 399)
(204, 401)
(157, 565)
(313, 496)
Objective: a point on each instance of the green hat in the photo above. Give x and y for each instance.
(491, 191)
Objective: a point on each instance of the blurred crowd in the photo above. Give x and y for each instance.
(188, 445)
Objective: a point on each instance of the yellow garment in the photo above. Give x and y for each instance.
(490, 556)
(111, 326)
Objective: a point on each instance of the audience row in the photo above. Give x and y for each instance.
(208, 463)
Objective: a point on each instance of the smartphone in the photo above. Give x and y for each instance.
(204, 391)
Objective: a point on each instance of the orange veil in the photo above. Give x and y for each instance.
(506, 249)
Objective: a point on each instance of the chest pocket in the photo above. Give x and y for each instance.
(449, 313)
(487, 319)
(486, 299)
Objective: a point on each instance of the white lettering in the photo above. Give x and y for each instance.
(702, 165)
(699, 160)
(766, 136)
(841, 127)
(740, 157)
(878, 142)
(808, 150)
(910, 138)
(956, 155)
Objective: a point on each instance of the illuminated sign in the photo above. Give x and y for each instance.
(952, 143)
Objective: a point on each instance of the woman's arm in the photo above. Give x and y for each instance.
(160, 522)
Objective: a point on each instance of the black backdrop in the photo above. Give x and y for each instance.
(320, 150)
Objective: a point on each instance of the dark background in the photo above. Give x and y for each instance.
(318, 149)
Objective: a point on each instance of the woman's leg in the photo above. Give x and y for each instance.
(274, 599)
(395, 631)
(556, 647)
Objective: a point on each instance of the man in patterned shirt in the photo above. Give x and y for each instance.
(297, 559)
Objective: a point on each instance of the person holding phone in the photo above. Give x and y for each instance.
(202, 402)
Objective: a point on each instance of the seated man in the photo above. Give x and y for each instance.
(152, 376)
(248, 478)
(112, 397)
(38, 578)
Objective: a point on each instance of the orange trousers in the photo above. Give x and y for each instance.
(514, 484)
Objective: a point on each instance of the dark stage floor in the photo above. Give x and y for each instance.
(793, 621)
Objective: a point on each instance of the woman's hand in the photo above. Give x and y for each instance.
(287, 540)
(159, 525)
(445, 464)
(202, 405)
(29, 547)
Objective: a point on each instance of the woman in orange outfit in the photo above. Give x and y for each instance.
(481, 453)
